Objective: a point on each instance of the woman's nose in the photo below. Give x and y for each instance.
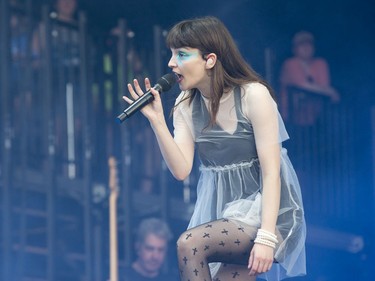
(172, 62)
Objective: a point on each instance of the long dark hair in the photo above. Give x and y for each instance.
(209, 35)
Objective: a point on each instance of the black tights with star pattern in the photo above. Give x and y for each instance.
(225, 241)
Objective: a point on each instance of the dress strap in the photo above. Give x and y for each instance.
(238, 102)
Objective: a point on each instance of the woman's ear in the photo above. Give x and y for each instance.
(210, 60)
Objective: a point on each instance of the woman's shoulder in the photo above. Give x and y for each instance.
(182, 102)
(256, 94)
(253, 89)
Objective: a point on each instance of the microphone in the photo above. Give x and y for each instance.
(164, 84)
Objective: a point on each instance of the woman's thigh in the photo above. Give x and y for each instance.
(223, 240)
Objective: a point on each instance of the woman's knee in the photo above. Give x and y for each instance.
(186, 242)
(182, 242)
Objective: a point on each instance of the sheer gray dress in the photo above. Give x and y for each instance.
(230, 183)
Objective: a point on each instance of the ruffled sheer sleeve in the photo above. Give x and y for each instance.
(182, 123)
(260, 108)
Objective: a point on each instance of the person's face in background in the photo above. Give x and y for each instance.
(151, 253)
(66, 8)
(304, 50)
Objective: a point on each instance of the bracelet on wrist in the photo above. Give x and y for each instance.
(267, 238)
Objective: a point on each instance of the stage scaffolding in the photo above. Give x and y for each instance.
(61, 90)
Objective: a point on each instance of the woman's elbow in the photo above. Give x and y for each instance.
(181, 174)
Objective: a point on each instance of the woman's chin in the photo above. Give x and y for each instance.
(183, 88)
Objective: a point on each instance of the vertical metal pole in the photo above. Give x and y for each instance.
(158, 57)
(70, 91)
(48, 111)
(27, 31)
(158, 61)
(98, 242)
(25, 134)
(5, 138)
(70, 130)
(125, 192)
(87, 150)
